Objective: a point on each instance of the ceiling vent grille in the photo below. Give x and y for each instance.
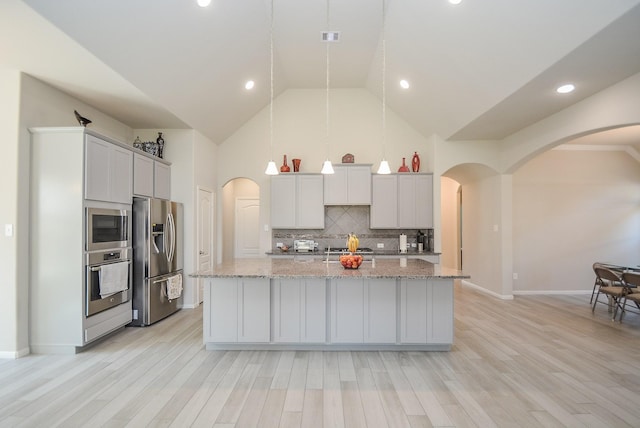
(330, 36)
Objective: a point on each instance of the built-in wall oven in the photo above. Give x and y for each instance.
(108, 228)
(108, 276)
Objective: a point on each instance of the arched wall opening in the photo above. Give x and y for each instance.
(234, 190)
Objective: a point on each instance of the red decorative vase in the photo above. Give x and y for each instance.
(285, 167)
(415, 162)
(404, 167)
(296, 165)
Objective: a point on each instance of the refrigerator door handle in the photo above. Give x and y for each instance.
(172, 236)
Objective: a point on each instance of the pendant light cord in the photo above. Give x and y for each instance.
(327, 97)
(271, 83)
(384, 78)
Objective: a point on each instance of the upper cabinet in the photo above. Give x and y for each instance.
(348, 185)
(108, 171)
(297, 201)
(402, 201)
(151, 178)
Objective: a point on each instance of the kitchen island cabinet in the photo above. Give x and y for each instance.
(313, 304)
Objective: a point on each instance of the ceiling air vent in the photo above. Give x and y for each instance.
(330, 36)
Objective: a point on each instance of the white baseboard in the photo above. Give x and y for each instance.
(543, 292)
(190, 306)
(9, 355)
(484, 290)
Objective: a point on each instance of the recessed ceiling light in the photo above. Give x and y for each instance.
(455, 1)
(565, 89)
(204, 3)
(250, 84)
(404, 84)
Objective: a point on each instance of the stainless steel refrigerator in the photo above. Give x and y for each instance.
(157, 258)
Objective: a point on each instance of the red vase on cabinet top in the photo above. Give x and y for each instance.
(285, 167)
(415, 162)
(404, 167)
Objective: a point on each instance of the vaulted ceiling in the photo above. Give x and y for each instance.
(478, 70)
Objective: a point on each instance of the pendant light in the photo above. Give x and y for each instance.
(384, 165)
(272, 169)
(327, 168)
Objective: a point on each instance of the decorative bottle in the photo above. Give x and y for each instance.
(415, 162)
(404, 167)
(285, 167)
(160, 142)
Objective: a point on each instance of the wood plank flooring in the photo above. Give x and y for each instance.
(536, 361)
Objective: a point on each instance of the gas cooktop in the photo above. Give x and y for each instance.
(362, 250)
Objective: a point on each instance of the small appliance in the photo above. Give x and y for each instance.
(304, 245)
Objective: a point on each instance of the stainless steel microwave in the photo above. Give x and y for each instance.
(108, 229)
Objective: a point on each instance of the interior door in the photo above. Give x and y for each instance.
(247, 227)
(206, 204)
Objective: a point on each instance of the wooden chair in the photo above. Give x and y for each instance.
(611, 285)
(632, 282)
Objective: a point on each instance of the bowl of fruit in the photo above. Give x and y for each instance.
(351, 261)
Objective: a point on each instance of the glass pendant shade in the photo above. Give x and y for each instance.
(272, 169)
(327, 168)
(384, 168)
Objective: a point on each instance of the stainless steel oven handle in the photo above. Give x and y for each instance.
(97, 268)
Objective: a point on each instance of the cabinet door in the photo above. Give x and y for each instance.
(120, 174)
(384, 202)
(406, 201)
(161, 181)
(439, 311)
(221, 312)
(283, 201)
(286, 310)
(254, 310)
(380, 311)
(335, 186)
(314, 311)
(424, 201)
(96, 169)
(347, 311)
(359, 185)
(142, 175)
(310, 197)
(413, 311)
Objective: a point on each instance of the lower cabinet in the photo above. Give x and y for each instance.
(426, 311)
(237, 310)
(299, 310)
(363, 311)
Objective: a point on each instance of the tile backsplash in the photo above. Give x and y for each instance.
(339, 221)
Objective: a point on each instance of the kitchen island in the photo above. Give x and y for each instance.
(310, 303)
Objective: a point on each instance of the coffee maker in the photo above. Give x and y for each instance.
(421, 240)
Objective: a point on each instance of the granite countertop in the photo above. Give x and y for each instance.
(278, 252)
(314, 268)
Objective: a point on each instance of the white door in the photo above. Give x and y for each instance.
(247, 228)
(206, 206)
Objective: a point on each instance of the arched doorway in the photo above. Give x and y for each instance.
(240, 219)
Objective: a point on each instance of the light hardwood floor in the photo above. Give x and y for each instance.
(536, 361)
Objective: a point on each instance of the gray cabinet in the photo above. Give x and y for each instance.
(237, 310)
(108, 171)
(363, 311)
(297, 201)
(426, 311)
(348, 185)
(151, 178)
(402, 201)
(299, 310)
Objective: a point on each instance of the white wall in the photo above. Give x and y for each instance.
(299, 132)
(13, 303)
(449, 222)
(571, 209)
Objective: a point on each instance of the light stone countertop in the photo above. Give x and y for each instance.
(268, 267)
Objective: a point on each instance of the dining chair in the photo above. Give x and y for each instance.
(632, 281)
(611, 285)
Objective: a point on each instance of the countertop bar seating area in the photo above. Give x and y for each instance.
(317, 304)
